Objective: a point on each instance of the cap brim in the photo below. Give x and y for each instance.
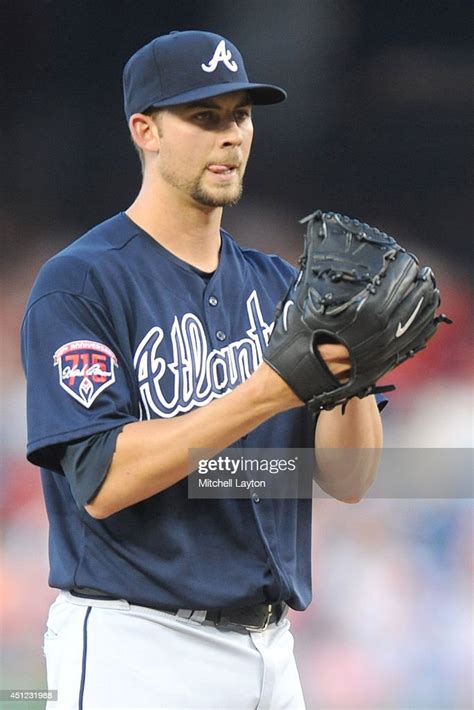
(261, 94)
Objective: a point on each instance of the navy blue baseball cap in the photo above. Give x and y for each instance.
(186, 66)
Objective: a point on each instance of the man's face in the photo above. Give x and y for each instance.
(204, 147)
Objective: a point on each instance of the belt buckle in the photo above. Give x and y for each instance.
(264, 625)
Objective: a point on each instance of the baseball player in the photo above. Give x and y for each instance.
(142, 340)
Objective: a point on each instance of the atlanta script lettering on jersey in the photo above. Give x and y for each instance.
(199, 374)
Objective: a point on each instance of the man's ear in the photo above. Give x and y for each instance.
(144, 132)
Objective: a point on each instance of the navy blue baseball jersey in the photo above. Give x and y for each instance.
(117, 329)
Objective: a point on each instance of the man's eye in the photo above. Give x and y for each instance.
(203, 116)
(241, 115)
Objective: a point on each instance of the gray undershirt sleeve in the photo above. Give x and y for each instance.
(85, 463)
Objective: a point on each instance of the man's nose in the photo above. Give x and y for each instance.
(231, 134)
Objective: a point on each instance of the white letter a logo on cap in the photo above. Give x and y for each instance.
(222, 54)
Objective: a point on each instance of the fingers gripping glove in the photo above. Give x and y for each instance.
(358, 287)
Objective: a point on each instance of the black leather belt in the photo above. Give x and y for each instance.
(248, 618)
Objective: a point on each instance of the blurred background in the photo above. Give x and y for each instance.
(377, 126)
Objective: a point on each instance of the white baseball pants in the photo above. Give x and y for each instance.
(112, 655)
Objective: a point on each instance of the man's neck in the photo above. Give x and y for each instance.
(187, 229)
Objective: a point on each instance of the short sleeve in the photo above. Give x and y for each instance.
(79, 381)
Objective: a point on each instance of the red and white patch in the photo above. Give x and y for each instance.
(85, 369)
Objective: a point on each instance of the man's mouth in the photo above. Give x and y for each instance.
(223, 168)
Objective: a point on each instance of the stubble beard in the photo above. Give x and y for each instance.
(204, 196)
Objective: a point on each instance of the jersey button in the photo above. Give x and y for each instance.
(220, 335)
(213, 301)
(255, 498)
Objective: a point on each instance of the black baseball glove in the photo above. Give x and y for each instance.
(358, 287)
